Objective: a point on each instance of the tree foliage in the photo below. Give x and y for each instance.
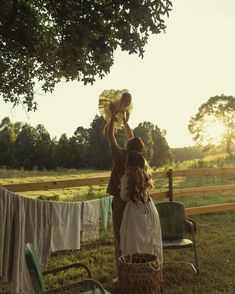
(156, 151)
(7, 143)
(46, 40)
(25, 147)
(144, 131)
(28, 147)
(161, 151)
(78, 145)
(44, 153)
(98, 148)
(217, 109)
(62, 152)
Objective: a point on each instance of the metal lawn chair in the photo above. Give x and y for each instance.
(37, 276)
(173, 221)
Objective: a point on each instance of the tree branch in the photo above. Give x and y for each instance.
(12, 17)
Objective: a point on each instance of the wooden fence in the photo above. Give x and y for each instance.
(170, 193)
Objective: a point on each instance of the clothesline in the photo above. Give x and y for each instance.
(50, 225)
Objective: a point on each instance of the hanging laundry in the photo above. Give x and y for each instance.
(22, 220)
(66, 225)
(90, 219)
(106, 212)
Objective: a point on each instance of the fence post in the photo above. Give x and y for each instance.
(170, 185)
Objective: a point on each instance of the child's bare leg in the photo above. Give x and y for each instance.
(103, 127)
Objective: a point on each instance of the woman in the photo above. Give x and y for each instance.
(140, 230)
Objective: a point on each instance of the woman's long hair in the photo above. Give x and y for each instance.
(138, 177)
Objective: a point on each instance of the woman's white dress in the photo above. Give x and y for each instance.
(140, 230)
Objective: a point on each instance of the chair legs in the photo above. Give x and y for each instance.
(196, 267)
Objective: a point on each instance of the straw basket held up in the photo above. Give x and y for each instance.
(139, 274)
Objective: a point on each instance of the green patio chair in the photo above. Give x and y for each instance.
(37, 279)
(172, 218)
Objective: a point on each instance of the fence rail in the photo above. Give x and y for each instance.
(168, 175)
(52, 185)
(210, 208)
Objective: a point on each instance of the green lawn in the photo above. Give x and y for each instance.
(215, 237)
(216, 250)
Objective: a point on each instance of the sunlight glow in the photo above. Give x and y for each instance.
(214, 131)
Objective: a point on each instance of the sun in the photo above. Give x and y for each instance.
(214, 131)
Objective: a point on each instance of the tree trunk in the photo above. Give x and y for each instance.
(228, 146)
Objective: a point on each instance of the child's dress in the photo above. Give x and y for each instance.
(140, 230)
(113, 96)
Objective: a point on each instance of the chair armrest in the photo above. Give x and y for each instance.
(75, 285)
(192, 228)
(69, 266)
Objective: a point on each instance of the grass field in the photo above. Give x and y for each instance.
(215, 236)
(215, 240)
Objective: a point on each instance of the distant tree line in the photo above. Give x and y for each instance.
(28, 147)
(187, 153)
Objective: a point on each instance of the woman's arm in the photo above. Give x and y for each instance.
(128, 131)
(111, 137)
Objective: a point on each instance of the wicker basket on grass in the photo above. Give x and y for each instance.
(139, 274)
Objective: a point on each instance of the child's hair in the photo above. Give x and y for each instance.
(135, 144)
(126, 99)
(138, 177)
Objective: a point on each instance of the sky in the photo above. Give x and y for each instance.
(181, 69)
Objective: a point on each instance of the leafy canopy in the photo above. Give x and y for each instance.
(44, 41)
(156, 151)
(217, 111)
